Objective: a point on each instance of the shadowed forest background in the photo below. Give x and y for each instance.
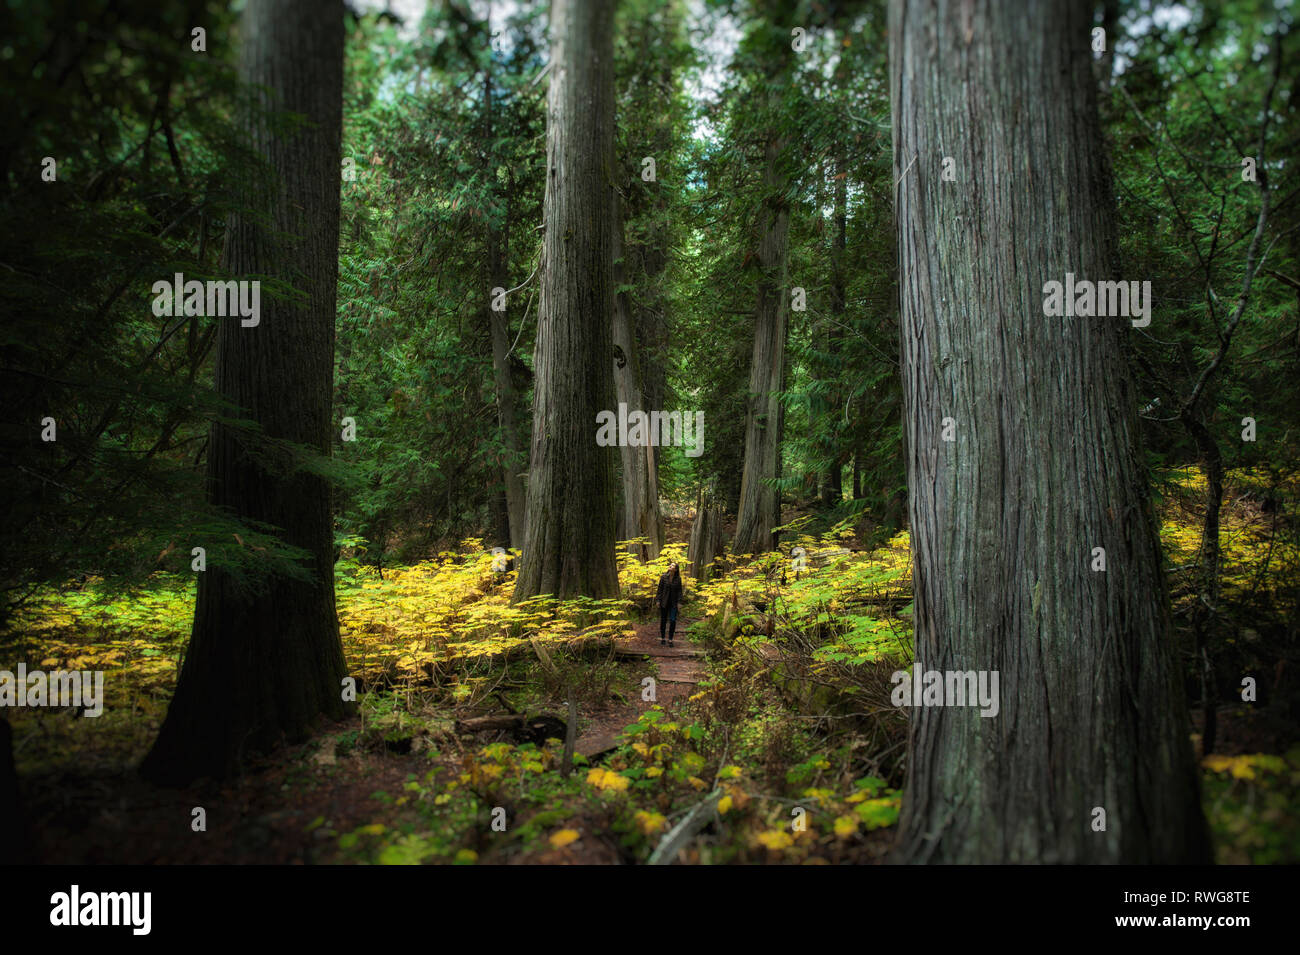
(368, 585)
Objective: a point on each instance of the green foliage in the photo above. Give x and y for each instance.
(149, 168)
(442, 130)
(446, 131)
(437, 639)
(1251, 804)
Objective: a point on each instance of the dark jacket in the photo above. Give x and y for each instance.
(669, 594)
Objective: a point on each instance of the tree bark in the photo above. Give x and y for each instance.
(640, 513)
(507, 399)
(265, 662)
(706, 539)
(857, 473)
(1106, 60)
(760, 503)
(569, 543)
(651, 323)
(1045, 463)
(832, 486)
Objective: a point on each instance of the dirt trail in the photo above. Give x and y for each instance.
(676, 672)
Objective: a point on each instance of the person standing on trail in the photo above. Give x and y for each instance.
(668, 597)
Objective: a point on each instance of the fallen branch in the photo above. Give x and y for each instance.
(681, 834)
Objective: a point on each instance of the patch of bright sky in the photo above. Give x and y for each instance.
(715, 37)
(1167, 17)
(409, 11)
(1172, 17)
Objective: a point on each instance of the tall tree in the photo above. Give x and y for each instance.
(265, 660)
(1044, 463)
(650, 57)
(569, 543)
(1204, 232)
(760, 501)
(830, 488)
(640, 516)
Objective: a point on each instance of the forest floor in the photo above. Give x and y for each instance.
(773, 708)
(362, 792)
(119, 818)
(680, 670)
(291, 808)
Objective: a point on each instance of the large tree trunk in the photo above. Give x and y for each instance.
(1045, 464)
(569, 545)
(265, 662)
(1105, 65)
(706, 538)
(760, 503)
(640, 517)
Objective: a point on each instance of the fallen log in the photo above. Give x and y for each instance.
(665, 653)
(535, 729)
(480, 724)
(681, 834)
(596, 745)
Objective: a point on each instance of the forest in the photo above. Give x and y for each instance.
(591, 432)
